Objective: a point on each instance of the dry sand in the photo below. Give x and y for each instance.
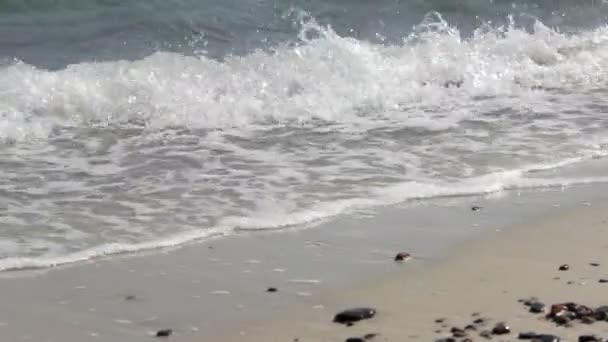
(487, 275)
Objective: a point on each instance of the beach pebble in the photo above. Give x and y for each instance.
(537, 307)
(594, 264)
(470, 327)
(527, 335)
(479, 321)
(603, 280)
(164, 333)
(564, 267)
(440, 320)
(457, 332)
(588, 338)
(271, 289)
(354, 315)
(583, 311)
(601, 313)
(546, 338)
(130, 297)
(557, 309)
(402, 256)
(448, 339)
(467, 340)
(354, 339)
(587, 320)
(370, 336)
(501, 329)
(476, 208)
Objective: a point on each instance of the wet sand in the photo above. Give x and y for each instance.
(464, 262)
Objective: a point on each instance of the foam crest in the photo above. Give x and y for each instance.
(327, 77)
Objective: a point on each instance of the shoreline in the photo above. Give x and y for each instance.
(217, 290)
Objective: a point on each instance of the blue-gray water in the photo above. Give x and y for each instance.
(127, 125)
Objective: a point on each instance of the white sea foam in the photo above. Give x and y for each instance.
(123, 156)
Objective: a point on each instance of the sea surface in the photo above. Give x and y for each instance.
(137, 124)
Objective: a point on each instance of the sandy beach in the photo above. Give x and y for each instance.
(484, 262)
(484, 278)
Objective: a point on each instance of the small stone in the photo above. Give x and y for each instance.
(354, 339)
(476, 208)
(130, 297)
(561, 320)
(557, 309)
(370, 336)
(603, 280)
(564, 267)
(457, 332)
(588, 338)
(354, 315)
(164, 333)
(402, 256)
(440, 320)
(271, 289)
(486, 334)
(470, 327)
(475, 314)
(545, 338)
(570, 282)
(438, 331)
(527, 335)
(601, 313)
(583, 311)
(448, 339)
(594, 264)
(537, 307)
(350, 324)
(501, 329)
(467, 340)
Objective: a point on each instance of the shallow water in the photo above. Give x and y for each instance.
(134, 125)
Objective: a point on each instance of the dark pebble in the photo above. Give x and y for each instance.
(583, 311)
(164, 333)
(475, 314)
(438, 331)
(486, 334)
(527, 335)
(467, 340)
(130, 297)
(448, 339)
(594, 264)
(588, 338)
(370, 336)
(570, 282)
(557, 309)
(537, 307)
(470, 327)
(501, 329)
(440, 320)
(354, 339)
(349, 324)
(564, 267)
(354, 315)
(457, 332)
(402, 256)
(479, 321)
(601, 313)
(561, 320)
(271, 289)
(476, 208)
(603, 280)
(546, 338)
